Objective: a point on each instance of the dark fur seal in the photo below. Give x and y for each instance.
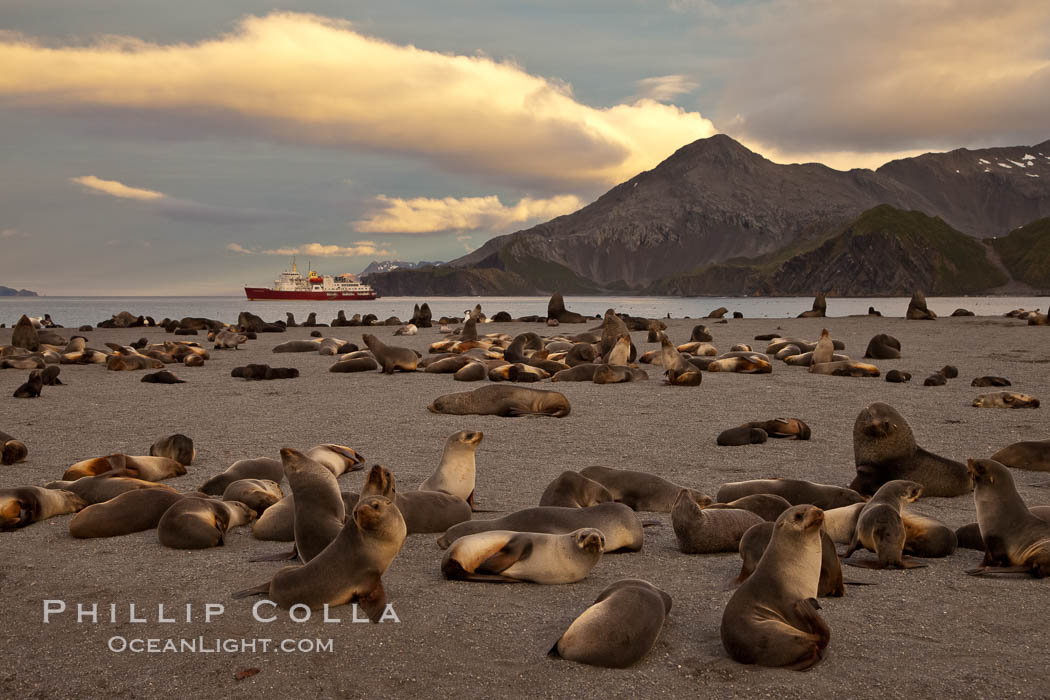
(177, 447)
(741, 435)
(390, 357)
(258, 468)
(261, 372)
(132, 511)
(819, 310)
(501, 400)
(619, 628)
(883, 347)
(24, 505)
(195, 522)
(796, 492)
(1015, 540)
(880, 527)
(31, 388)
(707, 531)
(423, 511)
(767, 506)
(12, 450)
(772, 618)
(753, 545)
(791, 428)
(990, 381)
(641, 490)
(884, 449)
(896, 376)
(917, 309)
(162, 377)
(1031, 455)
(556, 310)
(573, 490)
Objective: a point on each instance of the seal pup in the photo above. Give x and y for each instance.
(457, 470)
(257, 494)
(12, 450)
(754, 542)
(506, 556)
(423, 511)
(617, 522)
(199, 522)
(31, 388)
(502, 400)
(257, 468)
(880, 527)
(897, 376)
(641, 490)
(162, 377)
(177, 447)
(990, 381)
(795, 491)
(707, 531)
(1006, 399)
(260, 372)
(390, 357)
(741, 435)
(772, 618)
(884, 449)
(132, 511)
(1015, 540)
(573, 490)
(49, 376)
(1031, 455)
(619, 628)
(350, 569)
(24, 505)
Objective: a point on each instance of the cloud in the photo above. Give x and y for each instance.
(831, 80)
(115, 188)
(317, 250)
(305, 79)
(423, 215)
(664, 88)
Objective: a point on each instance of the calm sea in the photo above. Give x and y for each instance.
(76, 311)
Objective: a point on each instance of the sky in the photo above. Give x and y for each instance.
(191, 148)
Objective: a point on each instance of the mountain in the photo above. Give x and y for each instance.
(1025, 252)
(714, 201)
(389, 265)
(885, 251)
(9, 292)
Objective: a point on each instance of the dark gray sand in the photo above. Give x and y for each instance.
(932, 632)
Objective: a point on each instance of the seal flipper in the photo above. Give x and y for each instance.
(991, 570)
(374, 602)
(474, 506)
(516, 549)
(261, 589)
(293, 553)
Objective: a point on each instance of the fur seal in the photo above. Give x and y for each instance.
(990, 381)
(619, 628)
(354, 364)
(502, 400)
(471, 372)
(791, 428)
(616, 521)
(702, 531)
(741, 435)
(1016, 541)
(754, 542)
(680, 372)
(880, 527)
(162, 377)
(49, 375)
(145, 468)
(12, 450)
(423, 511)
(917, 310)
(617, 374)
(31, 388)
(24, 335)
(969, 536)
(578, 373)
(556, 310)
(573, 490)
(350, 569)
(819, 310)
(767, 506)
(741, 363)
(177, 447)
(1006, 399)
(277, 523)
(258, 468)
(338, 459)
(1031, 455)
(390, 357)
(845, 368)
(456, 472)
(641, 490)
(318, 508)
(825, 349)
(883, 347)
(197, 522)
(896, 376)
(884, 449)
(30, 504)
(132, 511)
(794, 491)
(96, 489)
(772, 618)
(257, 494)
(260, 372)
(504, 555)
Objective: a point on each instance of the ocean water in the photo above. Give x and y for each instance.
(76, 311)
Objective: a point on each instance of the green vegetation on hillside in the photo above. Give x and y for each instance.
(1026, 253)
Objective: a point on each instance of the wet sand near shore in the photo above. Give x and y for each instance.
(918, 633)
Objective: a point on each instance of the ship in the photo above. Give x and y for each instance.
(292, 285)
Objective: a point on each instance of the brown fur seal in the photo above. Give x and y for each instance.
(318, 508)
(1006, 399)
(457, 470)
(990, 381)
(741, 435)
(741, 363)
(338, 459)
(819, 309)
(96, 489)
(162, 377)
(883, 347)
(177, 447)
(767, 506)
(619, 628)
(640, 490)
(132, 511)
(617, 522)
(578, 373)
(355, 364)
(1015, 540)
(896, 376)
(258, 468)
(880, 528)
(32, 386)
(505, 556)
(471, 372)
(350, 569)
(277, 523)
(195, 522)
(12, 450)
(703, 531)
(257, 494)
(884, 449)
(1031, 455)
(573, 490)
(795, 491)
(754, 542)
(617, 374)
(500, 400)
(24, 335)
(391, 358)
(969, 536)
(825, 350)
(130, 363)
(917, 310)
(423, 511)
(927, 537)
(680, 372)
(845, 368)
(139, 467)
(30, 504)
(784, 428)
(772, 618)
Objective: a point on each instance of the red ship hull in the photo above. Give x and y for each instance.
(264, 294)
